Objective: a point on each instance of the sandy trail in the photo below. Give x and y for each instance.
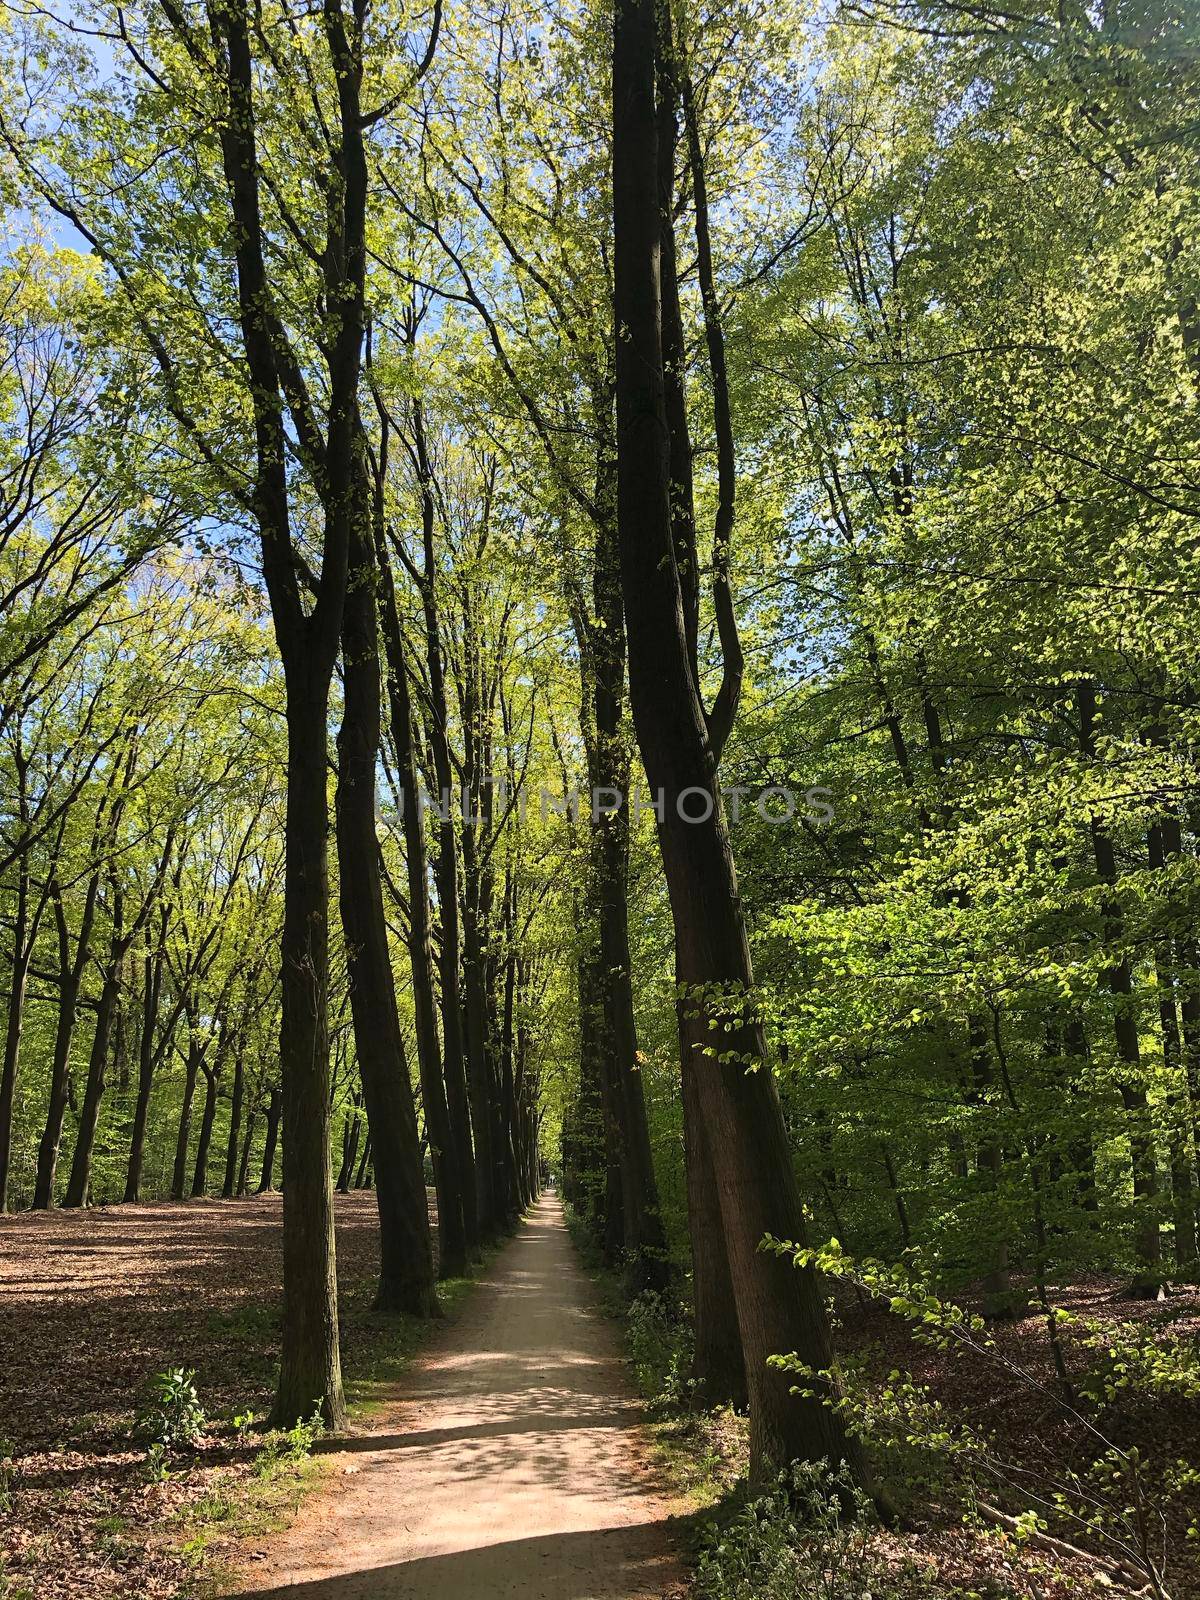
(513, 1465)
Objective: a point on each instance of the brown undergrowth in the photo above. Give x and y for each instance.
(92, 1305)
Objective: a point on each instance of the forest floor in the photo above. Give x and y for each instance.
(1008, 1395)
(510, 1448)
(1005, 1393)
(92, 1305)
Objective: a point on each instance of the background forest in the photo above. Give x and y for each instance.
(287, 308)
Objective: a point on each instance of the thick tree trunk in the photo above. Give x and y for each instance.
(508, 1082)
(310, 1373)
(718, 1368)
(1189, 1018)
(351, 1134)
(406, 1273)
(779, 1307)
(998, 1299)
(476, 1047)
(148, 1059)
(70, 976)
(1164, 840)
(43, 1194)
(243, 1174)
(596, 1199)
(1147, 1240)
(645, 1243)
(362, 1176)
(446, 866)
(642, 1241)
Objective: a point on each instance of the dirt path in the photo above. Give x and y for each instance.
(514, 1465)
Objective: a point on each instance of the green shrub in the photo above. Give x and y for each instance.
(809, 1538)
(175, 1416)
(659, 1333)
(291, 1446)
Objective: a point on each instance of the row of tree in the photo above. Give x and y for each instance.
(810, 399)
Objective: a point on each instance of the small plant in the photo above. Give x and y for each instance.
(8, 1475)
(157, 1466)
(291, 1446)
(175, 1417)
(243, 1421)
(303, 1435)
(173, 1420)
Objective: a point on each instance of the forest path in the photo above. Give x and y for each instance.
(512, 1463)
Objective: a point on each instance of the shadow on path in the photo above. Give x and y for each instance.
(558, 1566)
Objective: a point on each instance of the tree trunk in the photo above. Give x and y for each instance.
(70, 976)
(310, 1374)
(266, 1181)
(1164, 840)
(475, 1041)
(237, 1101)
(362, 1176)
(998, 1299)
(147, 1062)
(446, 865)
(642, 1241)
(204, 1142)
(183, 1137)
(23, 937)
(1147, 1240)
(779, 1307)
(351, 1133)
(718, 1367)
(89, 1114)
(243, 1173)
(447, 1175)
(406, 1274)
(589, 1190)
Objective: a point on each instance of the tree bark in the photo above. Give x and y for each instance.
(243, 1176)
(718, 1366)
(237, 1101)
(351, 1134)
(406, 1273)
(447, 1172)
(1147, 1240)
(310, 1362)
(183, 1136)
(70, 977)
(207, 1118)
(147, 1063)
(24, 933)
(266, 1181)
(779, 1307)
(79, 1182)
(446, 863)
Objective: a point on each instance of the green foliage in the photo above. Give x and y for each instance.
(811, 1537)
(1109, 1492)
(286, 1449)
(8, 1476)
(659, 1335)
(175, 1418)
